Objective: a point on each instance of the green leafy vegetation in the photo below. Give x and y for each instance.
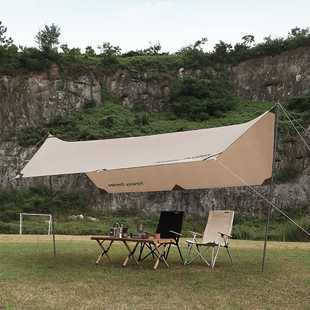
(64, 204)
(48, 37)
(198, 99)
(40, 200)
(253, 228)
(225, 53)
(280, 229)
(300, 107)
(287, 173)
(299, 104)
(4, 40)
(14, 58)
(112, 120)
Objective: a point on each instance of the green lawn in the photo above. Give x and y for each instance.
(31, 278)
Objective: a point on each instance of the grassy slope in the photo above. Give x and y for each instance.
(30, 278)
(112, 120)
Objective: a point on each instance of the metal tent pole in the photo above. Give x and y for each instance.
(53, 233)
(266, 238)
(52, 216)
(275, 148)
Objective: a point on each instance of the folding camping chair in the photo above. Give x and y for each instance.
(169, 227)
(216, 235)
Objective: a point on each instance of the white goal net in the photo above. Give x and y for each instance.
(49, 221)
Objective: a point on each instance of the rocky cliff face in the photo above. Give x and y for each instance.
(273, 78)
(146, 88)
(29, 100)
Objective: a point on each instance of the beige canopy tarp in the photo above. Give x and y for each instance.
(189, 160)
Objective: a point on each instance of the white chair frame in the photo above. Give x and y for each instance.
(215, 244)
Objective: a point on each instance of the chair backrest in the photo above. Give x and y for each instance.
(218, 221)
(170, 220)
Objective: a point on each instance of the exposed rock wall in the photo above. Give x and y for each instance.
(28, 100)
(147, 89)
(273, 78)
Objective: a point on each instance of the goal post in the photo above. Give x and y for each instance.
(49, 216)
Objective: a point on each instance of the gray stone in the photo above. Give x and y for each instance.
(273, 77)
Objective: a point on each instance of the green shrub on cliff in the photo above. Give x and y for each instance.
(110, 58)
(30, 136)
(301, 106)
(225, 53)
(299, 110)
(198, 99)
(112, 120)
(288, 173)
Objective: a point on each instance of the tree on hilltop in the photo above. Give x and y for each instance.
(4, 41)
(48, 37)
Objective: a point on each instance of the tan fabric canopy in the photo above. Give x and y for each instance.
(188, 160)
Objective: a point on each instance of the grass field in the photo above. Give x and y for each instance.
(31, 278)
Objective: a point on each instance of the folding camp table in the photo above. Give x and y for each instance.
(158, 248)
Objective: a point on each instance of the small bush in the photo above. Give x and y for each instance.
(197, 99)
(142, 119)
(292, 233)
(30, 136)
(300, 108)
(33, 59)
(109, 63)
(299, 104)
(89, 104)
(40, 200)
(107, 122)
(287, 174)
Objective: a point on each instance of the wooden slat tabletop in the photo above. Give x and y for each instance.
(145, 240)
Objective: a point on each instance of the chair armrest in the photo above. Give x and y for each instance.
(195, 233)
(176, 233)
(223, 234)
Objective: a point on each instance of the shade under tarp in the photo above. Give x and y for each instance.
(182, 160)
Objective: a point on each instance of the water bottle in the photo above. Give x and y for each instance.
(121, 231)
(116, 230)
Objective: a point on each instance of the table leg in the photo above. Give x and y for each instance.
(141, 251)
(160, 254)
(104, 251)
(151, 251)
(131, 254)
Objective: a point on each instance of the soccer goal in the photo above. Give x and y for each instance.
(49, 216)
